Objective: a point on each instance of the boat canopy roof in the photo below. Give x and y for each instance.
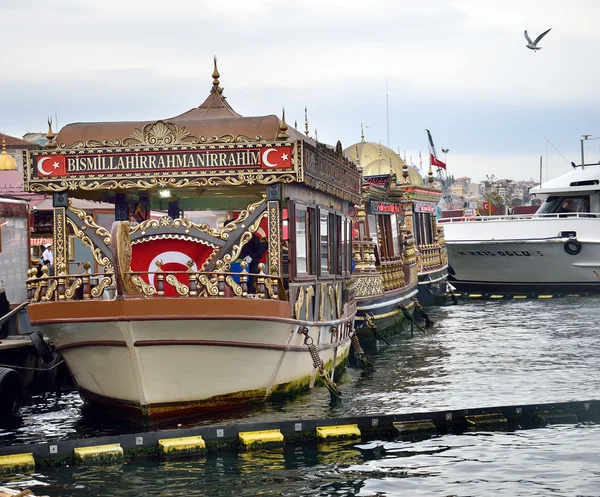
(578, 180)
(208, 150)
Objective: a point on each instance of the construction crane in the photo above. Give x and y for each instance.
(441, 174)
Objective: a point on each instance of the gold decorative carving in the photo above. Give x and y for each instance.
(367, 286)
(88, 221)
(60, 237)
(180, 288)
(239, 221)
(50, 291)
(70, 291)
(274, 237)
(98, 290)
(99, 256)
(245, 238)
(168, 222)
(299, 302)
(247, 178)
(122, 256)
(212, 288)
(147, 289)
(332, 302)
(237, 289)
(161, 133)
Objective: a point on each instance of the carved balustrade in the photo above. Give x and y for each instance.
(186, 284)
(431, 256)
(392, 273)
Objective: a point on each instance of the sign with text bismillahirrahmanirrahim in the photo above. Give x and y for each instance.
(148, 161)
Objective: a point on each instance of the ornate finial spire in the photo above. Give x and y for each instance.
(316, 135)
(362, 133)
(215, 73)
(405, 156)
(3, 146)
(357, 155)
(430, 175)
(215, 76)
(295, 124)
(305, 121)
(283, 127)
(50, 135)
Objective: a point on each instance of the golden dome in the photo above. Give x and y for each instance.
(374, 159)
(7, 162)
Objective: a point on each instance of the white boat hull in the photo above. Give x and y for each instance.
(171, 367)
(532, 255)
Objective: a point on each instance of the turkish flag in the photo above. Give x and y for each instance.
(51, 165)
(276, 158)
(436, 162)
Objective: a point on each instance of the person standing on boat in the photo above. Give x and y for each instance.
(48, 256)
(252, 253)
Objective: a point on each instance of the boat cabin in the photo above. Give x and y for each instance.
(251, 208)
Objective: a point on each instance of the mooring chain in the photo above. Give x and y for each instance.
(318, 364)
(428, 321)
(360, 353)
(408, 316)
(370, 322)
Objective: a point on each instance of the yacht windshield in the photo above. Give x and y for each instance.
(560, 204)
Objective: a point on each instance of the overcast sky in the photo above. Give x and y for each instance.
(459, 68)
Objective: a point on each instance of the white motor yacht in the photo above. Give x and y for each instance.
(555, 251)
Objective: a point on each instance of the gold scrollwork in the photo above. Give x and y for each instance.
(147, 289)
(212, 288)
(180, 288)
(162, 133)
(238, 221)
(51, 289)
(237, 289)
(168, 222)
(98, 290)
(248, 178)
(70, 291)
(89, 222)
(99, 256)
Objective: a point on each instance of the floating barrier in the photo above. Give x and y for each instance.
(258, 436)
(338, 432)
(98, 454)
(261, 439)
(507, 296)
(183, 446)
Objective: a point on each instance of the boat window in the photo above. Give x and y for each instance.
(338, 254)
(394, 232)
(324, 241)
(387, 244)
(304, 239)
(373, 228)
(565, 204)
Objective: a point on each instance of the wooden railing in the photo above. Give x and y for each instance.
(95, 286)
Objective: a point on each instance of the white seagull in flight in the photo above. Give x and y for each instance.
(532, 45)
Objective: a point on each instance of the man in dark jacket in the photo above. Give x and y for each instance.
(253, 250)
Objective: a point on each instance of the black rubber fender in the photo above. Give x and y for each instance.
(572, 247)
(11, 391)
(37, 339)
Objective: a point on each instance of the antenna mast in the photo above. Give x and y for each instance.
(387, 112)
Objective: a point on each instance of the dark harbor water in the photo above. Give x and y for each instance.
(478, 354)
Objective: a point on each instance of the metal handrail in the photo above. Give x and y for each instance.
(513, 217)
(11, 313)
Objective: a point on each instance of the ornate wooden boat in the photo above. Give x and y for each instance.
(385, 277)
(170, 320)
(391, 180)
